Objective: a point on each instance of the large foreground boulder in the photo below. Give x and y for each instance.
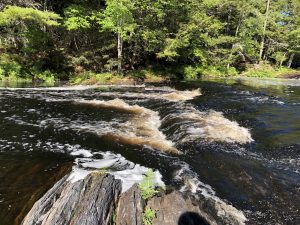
(97, 200)
(89, 201)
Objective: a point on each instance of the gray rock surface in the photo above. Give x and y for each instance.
(181, 209)
(97, 200)
(130, 207)
(90, 201)
(173, 209)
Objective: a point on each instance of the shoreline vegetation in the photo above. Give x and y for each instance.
(154, 76)
(124, 41)
(150, 76)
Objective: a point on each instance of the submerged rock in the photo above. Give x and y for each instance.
(89, 201)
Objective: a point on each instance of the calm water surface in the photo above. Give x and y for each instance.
(40, 127)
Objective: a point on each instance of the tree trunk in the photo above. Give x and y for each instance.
(281, 61)
(289, 63)
(120, 53)
(236, 34)
(262, 44)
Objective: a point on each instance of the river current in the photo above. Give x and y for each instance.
(235, 142)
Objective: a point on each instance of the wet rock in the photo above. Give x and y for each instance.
(182, 209)
(130, 207)
(174, 208)
(97, 199)
(89, 201)
(220, 211)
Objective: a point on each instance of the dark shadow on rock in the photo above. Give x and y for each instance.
(191, 218)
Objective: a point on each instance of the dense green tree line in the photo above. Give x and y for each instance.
(193, 37)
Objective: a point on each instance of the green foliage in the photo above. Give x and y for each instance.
(9, 67)
(2, 75)
(232, 72)
(147, 185)
(46, 76)
(12, 14)
(267, 71)
(77, 17)
(191, 73)
(150, 75)
(279, 57)
(114, 218)
(192, 38)
(90, 77)
(117, 17)
(148, 216)
(79, 61)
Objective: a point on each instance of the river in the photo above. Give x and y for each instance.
(234, 141)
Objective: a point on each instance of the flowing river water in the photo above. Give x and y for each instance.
(236, 143)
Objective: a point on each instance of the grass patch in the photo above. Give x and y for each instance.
(147, 185)
(151, 75)
(148, 216)
(266, 71)
(132, 77)
(12, 70)
(197, 72)
(89, 78)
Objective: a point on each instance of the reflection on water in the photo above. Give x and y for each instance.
(237, 142)
(24, 178)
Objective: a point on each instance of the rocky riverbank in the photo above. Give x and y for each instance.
(97, 199)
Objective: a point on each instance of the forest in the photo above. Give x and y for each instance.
(186, 39)
(149, 112)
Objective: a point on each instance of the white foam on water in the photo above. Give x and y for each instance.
(130, 177)
(115, 164)
(82, 152)
(141, 129)
(100, 164)
(168, 94)
(265, 99)
(176, 96)
(213, 126)
(20, 121)
(78, 174)
(114, 104)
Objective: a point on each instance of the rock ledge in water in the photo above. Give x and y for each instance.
(89, 201)
(97, 199)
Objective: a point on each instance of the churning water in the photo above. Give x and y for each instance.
(234, 144)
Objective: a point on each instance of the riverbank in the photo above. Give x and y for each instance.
(155, 76)
(163, 76)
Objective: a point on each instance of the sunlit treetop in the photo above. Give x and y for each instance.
(14, 14)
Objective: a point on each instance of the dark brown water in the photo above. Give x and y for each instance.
(40, 129)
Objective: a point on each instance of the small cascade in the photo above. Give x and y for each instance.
(141, 129)
(192, 125)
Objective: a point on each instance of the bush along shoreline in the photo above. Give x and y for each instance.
(12, 74)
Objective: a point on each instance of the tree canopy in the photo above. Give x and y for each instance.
(121, 35)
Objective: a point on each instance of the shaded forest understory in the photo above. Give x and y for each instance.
(102, 40)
